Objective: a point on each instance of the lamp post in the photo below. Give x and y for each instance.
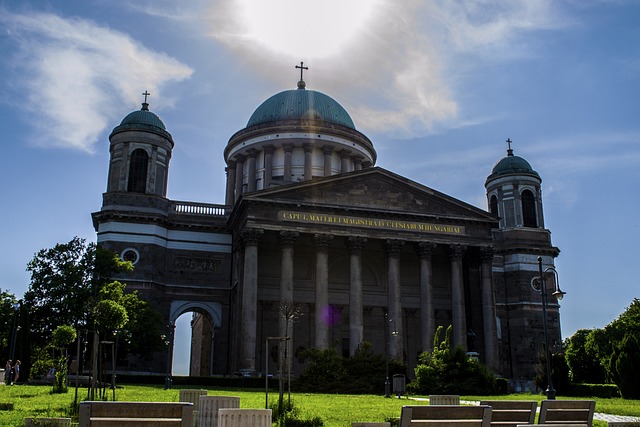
(387, 384)
(167, 342)
(16, 328)
(538, 284)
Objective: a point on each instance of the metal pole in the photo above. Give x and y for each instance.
(266, 374)
(551, 393)
(387, 385)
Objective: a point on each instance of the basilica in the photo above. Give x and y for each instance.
(315, 246)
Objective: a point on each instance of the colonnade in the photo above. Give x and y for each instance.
(236, 168)
(250, 239)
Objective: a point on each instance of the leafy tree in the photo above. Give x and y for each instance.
(559, 372)
(62, 337)
(324, 373)
(624, 367)
(7, 313)
(584, 368)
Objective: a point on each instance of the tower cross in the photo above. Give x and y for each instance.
(146, 93)
(509, 143)
(302, 68)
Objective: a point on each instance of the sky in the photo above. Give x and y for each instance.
(437, 85)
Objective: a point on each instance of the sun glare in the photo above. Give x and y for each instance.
(309, 28)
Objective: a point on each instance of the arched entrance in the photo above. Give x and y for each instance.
(198, 351)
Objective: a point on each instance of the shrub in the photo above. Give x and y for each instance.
(451, 371)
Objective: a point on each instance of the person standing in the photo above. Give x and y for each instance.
(7, 372)
(16, 372)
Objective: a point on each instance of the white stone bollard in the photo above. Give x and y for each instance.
(244, 417)
(50, 422)
(192, 396)
(209, 405)
(444, 399)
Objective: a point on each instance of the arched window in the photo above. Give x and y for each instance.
(493, 205)
(528, 209)
(138, 171)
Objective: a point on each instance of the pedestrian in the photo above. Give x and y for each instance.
(16, 372)
(7, 372)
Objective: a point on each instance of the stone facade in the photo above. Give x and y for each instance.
(317, 244)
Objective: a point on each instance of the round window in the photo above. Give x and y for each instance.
(130, 255)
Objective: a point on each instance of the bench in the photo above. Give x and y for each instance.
(445, 416)
(510, 413)
(577, 412)
(132, 414)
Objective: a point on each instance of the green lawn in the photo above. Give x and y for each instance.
(334, 410)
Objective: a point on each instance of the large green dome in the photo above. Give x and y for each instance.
(143, 119)
(300, 104)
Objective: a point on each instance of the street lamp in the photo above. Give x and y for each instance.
(538, 284)
(387, 384)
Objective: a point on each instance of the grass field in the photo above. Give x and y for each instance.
(334, 409)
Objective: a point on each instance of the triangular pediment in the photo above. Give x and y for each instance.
(370, 190)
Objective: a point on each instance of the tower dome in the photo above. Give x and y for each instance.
(511, 165)
(141, 119)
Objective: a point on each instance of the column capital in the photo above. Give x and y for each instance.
(327, 149)
(355, 243)
(287, 238)
(240, 158)
(393, 247)
(344, 154)
(486, 253)
(251, 236)
(268, 148)
(425, 249)
(287, 147)
(308, 147)
(457, 251)
(322, 241)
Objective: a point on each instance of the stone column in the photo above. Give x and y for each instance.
(239, 176)
(153, 171)
(231, 183)
(427, 320)
(488, 308)
(268, 165)
(288, 149)
(344, 161)
(356, 328)
(250, 238)
(458, 316)
(251, 170)
(357, 163)
(393, 248)
(322, 242)
(308, 161)
(327, 150)
(287, 240)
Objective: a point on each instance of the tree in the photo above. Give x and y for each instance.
(624, 367)
(7, 314)
(62, 337)
(584, 367)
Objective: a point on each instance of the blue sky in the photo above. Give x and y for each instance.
(438, 86)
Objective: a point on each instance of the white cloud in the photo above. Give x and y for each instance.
(80, 76)
(399, 73)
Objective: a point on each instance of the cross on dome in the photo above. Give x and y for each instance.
(509, 149)
(301, 83)
(145, 104)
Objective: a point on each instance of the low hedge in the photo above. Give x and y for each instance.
(593, 390)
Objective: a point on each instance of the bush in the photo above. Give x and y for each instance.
(606, 391)
(451, 371)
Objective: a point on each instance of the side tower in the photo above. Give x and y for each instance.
(514, 195)
(140, 151)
